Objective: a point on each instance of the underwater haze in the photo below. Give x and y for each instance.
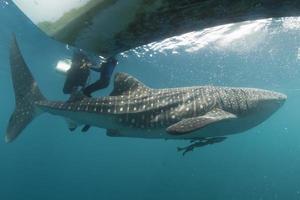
(50, 163)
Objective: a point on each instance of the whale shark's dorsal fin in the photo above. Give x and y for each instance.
(124, 84)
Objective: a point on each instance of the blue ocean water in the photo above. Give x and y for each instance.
(47, 162)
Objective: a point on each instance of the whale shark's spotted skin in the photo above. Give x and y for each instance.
(135, 106)
(135, 110)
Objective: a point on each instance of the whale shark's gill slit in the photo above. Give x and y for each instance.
(194, 104)
(236, 95)
(230, 100)
(214, 97)
(222, 105)
(245, 98)
(201, 100)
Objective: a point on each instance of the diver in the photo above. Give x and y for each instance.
(79, 73)
(106, 70)
(196, 143)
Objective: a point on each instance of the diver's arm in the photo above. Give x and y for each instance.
(96, 69)
(106, 67)
(103, 66)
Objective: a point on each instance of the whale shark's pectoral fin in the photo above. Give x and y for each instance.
(188, 125)
(125, 84)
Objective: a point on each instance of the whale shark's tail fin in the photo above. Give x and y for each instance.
(26, 93)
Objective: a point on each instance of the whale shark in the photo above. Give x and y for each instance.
(198, 113)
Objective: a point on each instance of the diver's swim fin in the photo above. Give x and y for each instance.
(26, 93)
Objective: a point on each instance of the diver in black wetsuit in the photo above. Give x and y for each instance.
(80, 71)
(200, 143)
(106, 70)
(78, 74)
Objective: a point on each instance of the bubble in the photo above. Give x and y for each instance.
(3, 3)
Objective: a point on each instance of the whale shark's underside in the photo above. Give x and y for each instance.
(204, 114)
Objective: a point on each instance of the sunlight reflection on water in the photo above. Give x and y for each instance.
(238, 37)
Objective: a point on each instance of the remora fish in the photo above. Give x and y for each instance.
(135, 110)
